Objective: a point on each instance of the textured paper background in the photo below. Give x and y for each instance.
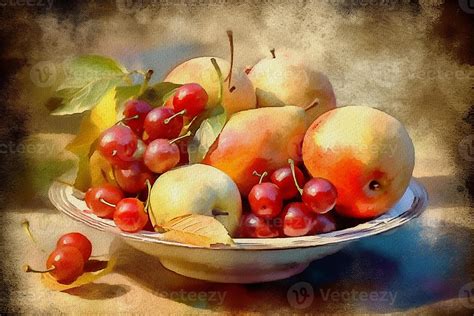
(412, 59)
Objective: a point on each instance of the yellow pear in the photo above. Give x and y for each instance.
(196, 189)
(257, 140)
(285, 79)
(201, 71)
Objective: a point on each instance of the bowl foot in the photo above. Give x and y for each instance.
(257, 275)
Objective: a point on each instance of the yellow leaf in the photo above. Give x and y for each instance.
(100, 170)
(101, 117)
(94, 269)
(194, 229)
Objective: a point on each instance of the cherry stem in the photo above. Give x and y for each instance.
(28, 269)
(263, 175)
(221, 81)
(219, 212)
(147, 78)
(135, 117)
(107, 203)
(180, 137)
(292, 167)
(26, 226)
(180, 113)
(273, 52)
(313, 103)
(230, 35)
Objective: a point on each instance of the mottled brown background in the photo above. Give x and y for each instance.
(413, 59)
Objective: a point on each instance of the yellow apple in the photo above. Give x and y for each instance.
(196, 189)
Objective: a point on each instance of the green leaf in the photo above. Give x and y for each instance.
(82, 70)
(207, 134)
(157, 94)
(125, 93)
(81, 100)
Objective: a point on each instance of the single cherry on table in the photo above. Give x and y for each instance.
(76, 240)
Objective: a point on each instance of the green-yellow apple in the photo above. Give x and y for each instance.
(200, 70)
(286, 79)
(366, 153)
(196, 189)
(258, 140)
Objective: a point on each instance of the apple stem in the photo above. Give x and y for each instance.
(114, 153)
(374, 185)
(106, 203)
(219, 212)
(273, 52)
(26, 226)
(230, 36)
(313, 103)
(263, 175)
(146, 79)
(292, 167)
(232, 89)
(180, 137)
(167, 120)
(29, 269)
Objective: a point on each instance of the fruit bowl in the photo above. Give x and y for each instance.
(249, 260)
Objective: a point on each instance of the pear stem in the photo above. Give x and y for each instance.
(29, 269)
(107, 203)
(26, 226)
(273, 52)
(263, 175)
(180, 113)
(219, 212)
(313, 103)
(230, 36)
(146, 79)
(180, 137)
(292, 167)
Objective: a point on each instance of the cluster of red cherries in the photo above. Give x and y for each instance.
(66, 262)
(140, 146)
(306, 211)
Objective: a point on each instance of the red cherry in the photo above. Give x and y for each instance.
(76, 240)
(323, 223)
(130, 215)
(159, 124)
(283, 178)
(66, 263)
(265, 200)
(133, 180)
(117, 144)
(191, 98)
(297, 219)
(134, 113)
(160, 156)
(102, 199)
(253, 226)
(319, 195)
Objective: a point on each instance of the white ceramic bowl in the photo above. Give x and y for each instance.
(249, 260)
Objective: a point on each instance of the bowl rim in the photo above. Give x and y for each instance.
(63, 198)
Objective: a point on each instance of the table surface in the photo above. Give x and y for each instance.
(419, 267)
